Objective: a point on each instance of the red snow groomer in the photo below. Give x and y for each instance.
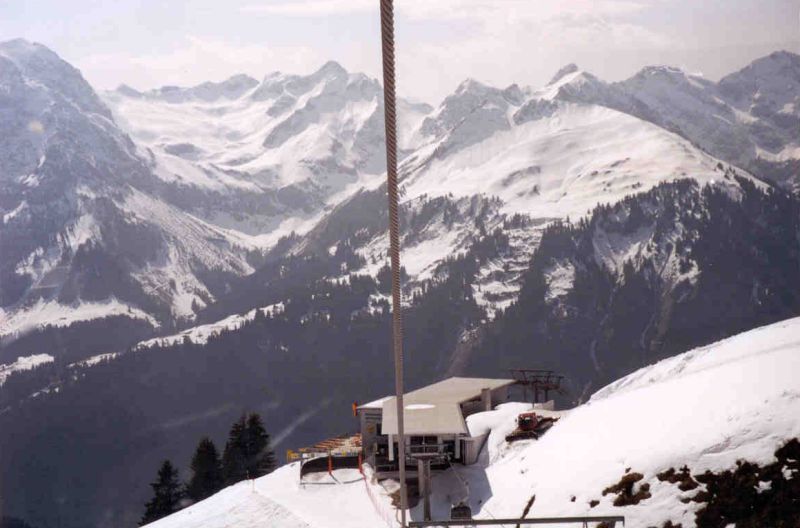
(530, 425)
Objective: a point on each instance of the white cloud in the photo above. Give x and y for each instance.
(196, 60)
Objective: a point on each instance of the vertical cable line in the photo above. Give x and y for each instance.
(390, 118)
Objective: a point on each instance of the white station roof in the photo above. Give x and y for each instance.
(435, 409)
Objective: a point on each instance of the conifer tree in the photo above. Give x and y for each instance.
(248, 453)
(234, 459)
(260, 456)
(167, 494)
(206, 471)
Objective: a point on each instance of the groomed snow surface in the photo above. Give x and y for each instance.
(736, 399)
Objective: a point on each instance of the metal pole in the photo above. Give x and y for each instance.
(390, 118)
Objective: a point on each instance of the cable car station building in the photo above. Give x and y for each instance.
(435, 424)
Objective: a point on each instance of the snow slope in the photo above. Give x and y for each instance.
(200, 334)
(52, 313)
(278, 500)
(700, 408)
(749, 118)
(564, 164)
(23, 363)
(697, 408)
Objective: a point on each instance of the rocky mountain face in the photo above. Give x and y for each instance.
(235, 233)
(87, 228)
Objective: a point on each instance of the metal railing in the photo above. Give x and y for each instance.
(610, 520)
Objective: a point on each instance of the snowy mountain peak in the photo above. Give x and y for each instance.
(91, 230)
(514, 94)
(26, 65)
(767, 86)
(473, 86)
(566, 70)
(469, 115)
(668, 74)
(775, 61)
(231, 88)
(331, 68)
(128, 91)
(572, 83)
(21, 50)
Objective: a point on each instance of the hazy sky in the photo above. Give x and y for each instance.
(149, 43)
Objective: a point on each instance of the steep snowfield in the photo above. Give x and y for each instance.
(701, 408)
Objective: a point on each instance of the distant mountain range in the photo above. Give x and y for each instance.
(147, 205)
(233, 235)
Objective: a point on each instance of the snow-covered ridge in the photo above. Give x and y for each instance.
(564, 165)
(697, 409)
(200, 334)
(749, 118)
(44, 314)
(777, 338)
(23, 363)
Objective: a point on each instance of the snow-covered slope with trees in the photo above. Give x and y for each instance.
(700, 409)
(23, 363)
(499, 154)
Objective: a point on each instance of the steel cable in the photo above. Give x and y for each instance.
(390, 119)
